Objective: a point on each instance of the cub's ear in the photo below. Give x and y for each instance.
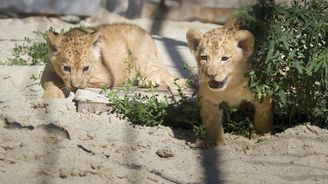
(245, 42)
(54, 40)
(96, 38)
(194, 38)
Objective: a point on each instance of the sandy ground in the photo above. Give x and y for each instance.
(49, 142)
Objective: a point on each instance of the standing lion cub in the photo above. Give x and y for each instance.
(222, 57)
(104, 55)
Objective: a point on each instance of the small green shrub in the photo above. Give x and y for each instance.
(31, 52)
(149, 110)
(36, 77)
(138, 109)
(236, 121)
(192, 81)
(291, 58)
(185, 114)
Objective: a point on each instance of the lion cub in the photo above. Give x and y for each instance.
(104, 55)
(222, 56)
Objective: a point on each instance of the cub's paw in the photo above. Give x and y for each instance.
(149, 82)
(204, 144)
(181, 83)
(53, 94)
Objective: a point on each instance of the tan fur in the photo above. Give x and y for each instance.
(104, 55)
(226, 78)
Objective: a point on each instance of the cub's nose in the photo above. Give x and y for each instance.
(211, 72)
(75, 84)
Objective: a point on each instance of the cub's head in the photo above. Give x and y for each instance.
(221, 55)
(72, 55)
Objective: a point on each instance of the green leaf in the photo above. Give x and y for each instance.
(282, 97)
(298, 66)
(285, 42)
(270, 52)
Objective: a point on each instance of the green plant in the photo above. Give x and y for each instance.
(150, 110)
(134, 76)
(137, 108)
(192, 75)
(237, 122)
(140, 109)
(31, 52)
(36, 77)
(291, 58)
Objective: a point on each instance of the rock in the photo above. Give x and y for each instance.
(165, 152)
(63, 174)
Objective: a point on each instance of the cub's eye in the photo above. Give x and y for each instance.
(204, 58)
(224, 58)
(67, 69)
(85, 69)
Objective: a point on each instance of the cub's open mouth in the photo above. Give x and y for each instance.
(217, 84)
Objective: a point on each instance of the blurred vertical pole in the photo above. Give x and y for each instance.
(117, 6)
(127, 8)
(134, 8)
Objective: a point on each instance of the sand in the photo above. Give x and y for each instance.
(49, 142)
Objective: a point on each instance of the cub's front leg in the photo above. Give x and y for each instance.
(52, 91)
(51, 84)
(212, 118)
(263, 117)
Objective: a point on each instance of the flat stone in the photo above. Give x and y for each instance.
(165, 152)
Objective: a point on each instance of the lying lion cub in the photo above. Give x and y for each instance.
(222, 57)
(104, 55)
